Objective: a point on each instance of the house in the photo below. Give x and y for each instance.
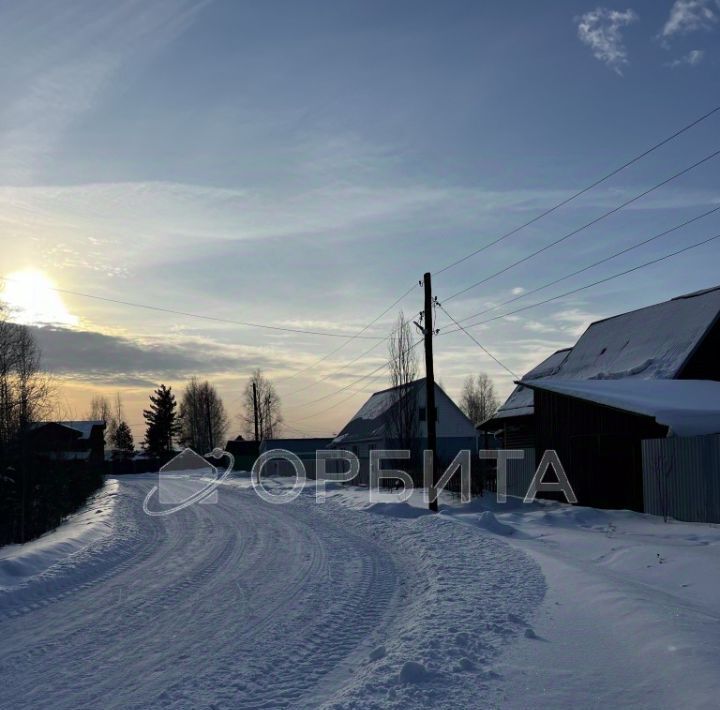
(304, 449)
(514, 422)
(372, 426)
(244, 451)
(646, 374)
(69, 440)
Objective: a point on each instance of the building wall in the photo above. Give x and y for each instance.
(599, 447)
(451, 422)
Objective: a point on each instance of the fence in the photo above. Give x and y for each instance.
(681, 478)
(520, 473)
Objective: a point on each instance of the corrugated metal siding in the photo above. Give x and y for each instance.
(681, 477)
(520, 472)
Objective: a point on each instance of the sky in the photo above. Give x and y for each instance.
(302, 164)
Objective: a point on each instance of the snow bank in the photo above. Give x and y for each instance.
(634, 594)
(21, 563)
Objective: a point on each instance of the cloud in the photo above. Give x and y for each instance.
(575, 321)
(692, 58)
(78, 62)
(600, 29)
(689, 16)
(93, 357)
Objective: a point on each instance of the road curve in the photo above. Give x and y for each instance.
(244, 604)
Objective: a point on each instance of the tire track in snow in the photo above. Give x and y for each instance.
(249, 605)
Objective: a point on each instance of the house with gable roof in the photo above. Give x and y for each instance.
(372, 426)
(646, 374)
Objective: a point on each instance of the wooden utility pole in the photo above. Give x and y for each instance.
(430, 382)
(255, 410)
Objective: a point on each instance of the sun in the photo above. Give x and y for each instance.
(31, 300)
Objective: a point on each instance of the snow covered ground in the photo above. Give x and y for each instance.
(347, 604)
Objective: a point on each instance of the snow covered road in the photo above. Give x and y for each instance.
(243, 604)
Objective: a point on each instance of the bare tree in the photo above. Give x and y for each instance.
(478, 400)
(203, 419)
(268, 402)
(111, 412)
(100, 408)
(24, 398)
(24, 389)
(402, 416)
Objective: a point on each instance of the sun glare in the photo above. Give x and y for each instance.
(31, 300)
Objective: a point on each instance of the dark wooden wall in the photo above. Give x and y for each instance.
(598, 446)
(518, 432)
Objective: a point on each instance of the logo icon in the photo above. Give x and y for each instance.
(186, 479)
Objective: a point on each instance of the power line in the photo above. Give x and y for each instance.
(310, 435)
(581, 192)
(478, 343)
(594, 264)
(337, 404)
(587, 286)
(200, 316)
(586, 225)
(335, 371)
(544, 214)
(352, 384)
(350, 339)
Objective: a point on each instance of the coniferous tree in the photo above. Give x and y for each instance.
(124, 443)
(162, 423)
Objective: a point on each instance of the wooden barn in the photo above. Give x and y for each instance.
(645, 374)
(514, 422)
(597, 426)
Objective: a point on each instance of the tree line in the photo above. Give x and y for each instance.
(199, 419)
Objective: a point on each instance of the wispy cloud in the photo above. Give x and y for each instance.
(692, 58)
(600, 29)
(81, 55)
(691, 15)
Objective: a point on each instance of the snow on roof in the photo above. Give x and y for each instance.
(687, 407)
(649, 343)
(369, 421)
(84, 427)
(520, 401)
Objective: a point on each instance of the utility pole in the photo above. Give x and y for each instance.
(255, 410)
(430, 382)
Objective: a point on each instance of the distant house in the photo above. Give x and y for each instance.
(245, 452)
(645, 374)
(371, 427)
(69, 440)
(304, 449)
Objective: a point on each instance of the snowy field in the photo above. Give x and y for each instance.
(347, 604)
